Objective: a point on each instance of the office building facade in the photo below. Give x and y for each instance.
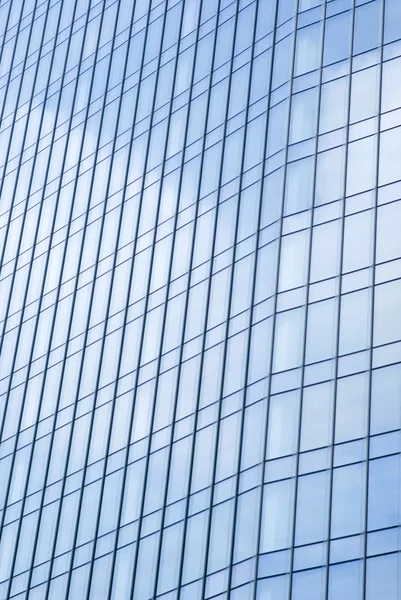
(200, 307)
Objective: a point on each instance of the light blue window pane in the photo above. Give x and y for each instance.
(293, 260)
(79, 581)
(276, 527)
(387, 326)
(170, 558)
(317, 415)
(385, 408)
(321, 331)
(392, 21)
(283, 425)
(388, 241)
(254, 427)
(389, 167)
(312, 508)
(337, 43)
(351, 408)
(195, 544)
(382, 577)
(145, 571)
(361, 165)
(355, 322)
(364, 94)
(282, 61)
(277, 128)
(358, 235)
(345, 581)
(384, 495)
(288, 340)
(274, 588)
(221, 531)
(308, 49)
(348, 512)
(325, 259)
(303, 116)
(309, 585)
(100, 578)
(299, 187)
(334, 104)
(366, 28)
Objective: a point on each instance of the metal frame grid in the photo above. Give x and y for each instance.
(117, 563)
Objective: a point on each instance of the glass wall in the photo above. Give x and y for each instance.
(200, 307)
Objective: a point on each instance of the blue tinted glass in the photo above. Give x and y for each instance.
(200, 298)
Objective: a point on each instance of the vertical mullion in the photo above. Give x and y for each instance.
(208, 279)
(4, 34)
(130, 278)
(124, 327)
(14, 194)
(21, 234)
(306, 314)
(185, 312)
(86, 216)
(152, 264)
(146, 299)
(208, 297)
(198, 192)
(338, 313)
(2, 45)
(18, 339)
(252, 295)
(19, 280)
(13, 53)
(227, 322)
(9, 84)
(105, 321)
(58, 288)
(279, 237)
(372, 316)
(104, 471)
(25, 387)
(139, 366)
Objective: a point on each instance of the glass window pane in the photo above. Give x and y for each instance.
(307, 57)
(276, 529)
(299, 184)
(361, 165)
(333, 105)
(283, 425)
(382, 577)
(387, 324)
(385, 404)
(303, 115)
(390, 150)
(388, 238)
(317, 415)
(351, 408)
(345, 581)
(384, 493)
(367, 27)
(312, 505)
(309, 585)
(330, 175)
(355, 322)
(337, 38)
(364, 94)
(288, 340)
(293, 260)
(348, 510)
(321, 335)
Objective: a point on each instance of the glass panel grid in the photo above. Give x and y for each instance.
(199, 299)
